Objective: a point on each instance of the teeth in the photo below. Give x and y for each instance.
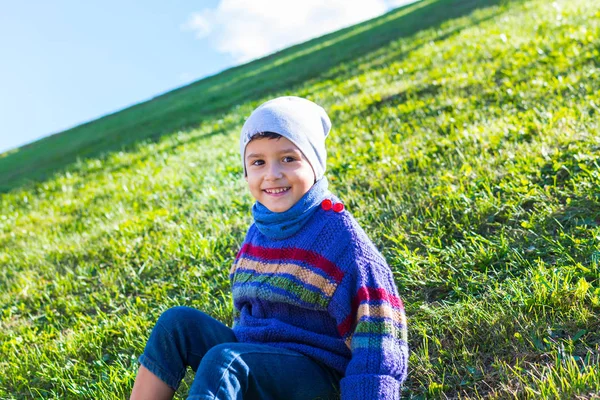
(275, 191)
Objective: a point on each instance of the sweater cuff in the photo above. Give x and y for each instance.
(370, 387)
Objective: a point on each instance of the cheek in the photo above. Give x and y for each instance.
(252, 182)
(307, 179)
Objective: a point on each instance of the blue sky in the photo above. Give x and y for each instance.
(66, 62)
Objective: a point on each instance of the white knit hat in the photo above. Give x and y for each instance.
(301, 121)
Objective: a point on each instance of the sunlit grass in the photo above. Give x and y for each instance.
(468, 150)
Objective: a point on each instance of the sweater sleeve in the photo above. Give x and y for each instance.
(371, 320)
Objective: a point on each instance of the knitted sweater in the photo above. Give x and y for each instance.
(325, 292)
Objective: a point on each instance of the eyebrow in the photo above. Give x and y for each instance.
(284, 151)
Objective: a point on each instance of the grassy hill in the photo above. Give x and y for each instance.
(212, 98)
(466, 142)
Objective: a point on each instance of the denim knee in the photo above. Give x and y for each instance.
(226, 358)
(222, 373)
(173, 318)
(180, 339)
(164, 354)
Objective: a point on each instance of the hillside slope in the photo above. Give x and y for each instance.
(467, 146)
(211, 98)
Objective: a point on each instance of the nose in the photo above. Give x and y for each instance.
(273, 172)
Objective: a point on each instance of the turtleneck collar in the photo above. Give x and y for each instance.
(281, 225)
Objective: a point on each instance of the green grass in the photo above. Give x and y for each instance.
(466, 142)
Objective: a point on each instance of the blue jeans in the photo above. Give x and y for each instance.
(228, 369)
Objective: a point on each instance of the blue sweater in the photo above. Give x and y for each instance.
(325, 292)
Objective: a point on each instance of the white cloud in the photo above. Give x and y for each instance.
(250, 29)
(199, 23)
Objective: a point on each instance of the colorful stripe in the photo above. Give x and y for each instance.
(389, 306)
(346, 325)
(375, 342)
(289, 255)
(381, 327)
(302, 274)
(376, 294)
(263, 291)
(385, 327)
(297, 289)
(381, 311)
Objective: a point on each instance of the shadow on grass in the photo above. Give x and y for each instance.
(210, 98)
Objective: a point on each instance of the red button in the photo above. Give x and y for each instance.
(338, 207)
(326, 204)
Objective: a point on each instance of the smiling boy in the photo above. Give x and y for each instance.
(278, 174)
(316, 309)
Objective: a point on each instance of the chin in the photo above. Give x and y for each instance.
(278, 209)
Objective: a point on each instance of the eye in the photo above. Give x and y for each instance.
(257, 162)
(288, 159)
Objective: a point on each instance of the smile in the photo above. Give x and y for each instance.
(277, 191)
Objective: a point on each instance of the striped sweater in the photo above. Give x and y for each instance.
(328, 293)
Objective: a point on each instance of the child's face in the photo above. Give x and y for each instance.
(278, 174)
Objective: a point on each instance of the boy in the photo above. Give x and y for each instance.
(316, 310)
